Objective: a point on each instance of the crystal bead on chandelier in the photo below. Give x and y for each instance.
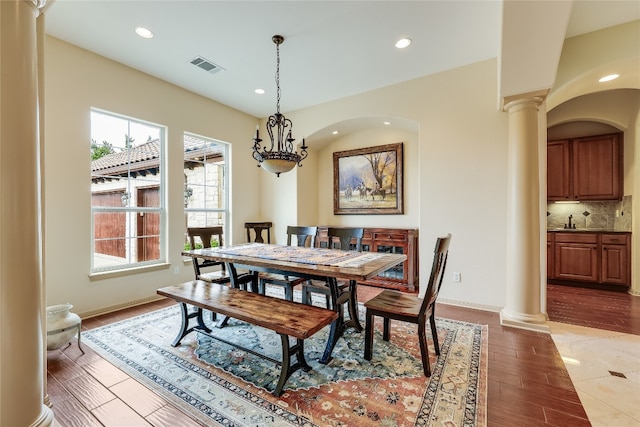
(281, 156)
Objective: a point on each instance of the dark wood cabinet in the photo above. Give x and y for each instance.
(550, 259)
(589, 257)
(558, 170)
(576, 256)
(588, 168)
(402, 277)
(615, 258)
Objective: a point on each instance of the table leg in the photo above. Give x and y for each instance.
(354, 321)
(239, 283)
(337, 326)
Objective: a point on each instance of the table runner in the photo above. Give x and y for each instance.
(304, 255)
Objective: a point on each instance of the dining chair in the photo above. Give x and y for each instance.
(258, 228)
(410, 308)
(207, 237)
(304, 236)
(344, 238)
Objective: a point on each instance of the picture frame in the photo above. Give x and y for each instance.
(369, 181)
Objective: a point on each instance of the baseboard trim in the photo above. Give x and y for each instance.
(466, 304)
(111, 309)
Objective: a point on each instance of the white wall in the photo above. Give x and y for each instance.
(77, 80)
(455, 167)
(362, 139)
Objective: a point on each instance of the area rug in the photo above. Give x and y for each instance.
(218, 384)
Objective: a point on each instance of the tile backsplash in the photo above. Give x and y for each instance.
(610, 215)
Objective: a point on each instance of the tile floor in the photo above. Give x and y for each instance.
(604, 367)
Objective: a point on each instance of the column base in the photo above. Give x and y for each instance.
(633, 292)
(45, 419)
(537, 323)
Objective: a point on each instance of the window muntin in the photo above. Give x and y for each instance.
(205, 183)
(127, 192)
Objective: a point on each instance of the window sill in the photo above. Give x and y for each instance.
(112, 274)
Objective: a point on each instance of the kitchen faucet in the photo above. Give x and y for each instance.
(570, 226)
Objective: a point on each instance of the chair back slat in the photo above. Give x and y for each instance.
(302, 235)
(344, 237)
(258, 228)
(205, 235)
(440, 254)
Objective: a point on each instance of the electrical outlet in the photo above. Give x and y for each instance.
(176, 270)
(457, 277)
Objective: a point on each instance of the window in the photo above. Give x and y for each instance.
(127, 192)
(205, 183)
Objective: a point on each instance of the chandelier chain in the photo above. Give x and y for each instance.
(278, 78)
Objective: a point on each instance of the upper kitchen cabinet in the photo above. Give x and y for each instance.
(587, 168)
(559, 170)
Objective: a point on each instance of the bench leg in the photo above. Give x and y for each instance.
(184, 327)
(287, 368)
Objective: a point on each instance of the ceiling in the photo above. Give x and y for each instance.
(332, 49)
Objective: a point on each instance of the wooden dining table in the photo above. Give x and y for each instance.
(328, 265)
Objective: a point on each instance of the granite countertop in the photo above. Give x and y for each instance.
(585, 230)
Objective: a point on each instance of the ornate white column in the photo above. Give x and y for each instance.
(21, 324)
(522, 309)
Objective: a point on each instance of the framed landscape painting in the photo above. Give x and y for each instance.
(368, 181)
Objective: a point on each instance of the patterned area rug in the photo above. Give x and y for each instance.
(219, 384)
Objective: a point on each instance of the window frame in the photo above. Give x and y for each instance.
(131, 239)
(225, 183)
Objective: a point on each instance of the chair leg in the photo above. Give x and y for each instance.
(288, 292)
(368, 335)
(424, 349)
(385, 330)
(434, 333)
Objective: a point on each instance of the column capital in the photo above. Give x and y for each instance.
(39, 5)
(536, 98)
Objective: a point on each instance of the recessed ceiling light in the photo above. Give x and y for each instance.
(259, 91)
(335, 132)
(402, 43)
(387, 123)
(144, 32)
(609, 78)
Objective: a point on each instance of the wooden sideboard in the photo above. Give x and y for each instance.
(403, 277)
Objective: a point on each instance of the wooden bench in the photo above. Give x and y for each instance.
(287, 318)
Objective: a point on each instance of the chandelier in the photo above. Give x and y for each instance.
(281, 155)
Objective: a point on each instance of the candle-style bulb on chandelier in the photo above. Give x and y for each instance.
(281, 155)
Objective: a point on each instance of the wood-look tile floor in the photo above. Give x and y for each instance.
(528, 384)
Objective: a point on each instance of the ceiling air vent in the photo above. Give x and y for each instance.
(206, 65)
